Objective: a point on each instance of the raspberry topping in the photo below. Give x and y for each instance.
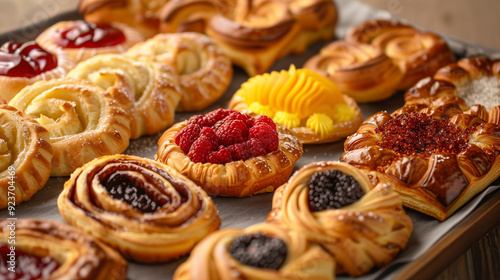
(27, 266)
(259, 250)
(232, 132)
(25, 60)
(82, 34)
(265, 134)
(187, 136)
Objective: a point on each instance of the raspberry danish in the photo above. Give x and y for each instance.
(141, 207)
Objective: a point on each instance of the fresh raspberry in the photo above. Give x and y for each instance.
(219, 114)
(211, 118)
(210, 135)
(265, 134)
(235, 115)
(200, 149)
(239, 152)
(255, 147)
(265, 119)
(187, 136)
(222, 156)
(232, 132)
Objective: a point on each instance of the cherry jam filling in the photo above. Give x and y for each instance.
(25, 60)
(416, 134)
(259, 250)
(82, 34)
(23, 265)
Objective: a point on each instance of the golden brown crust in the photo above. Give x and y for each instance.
(211, 258)
(187, 215)
(72, 249)
(25, 156)
(238, 178)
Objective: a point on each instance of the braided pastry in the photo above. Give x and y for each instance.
(83, 121)
(51, 250)
(149, 91)
(262, 251)
(335, 205)
(25, 156)
(204, 71)
(141, 207)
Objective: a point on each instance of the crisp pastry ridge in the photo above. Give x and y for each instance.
(205, 72)
(158, 226)
(148, 90)
(444, 170)
(84, 122)
(25, 156)
(212, 258)
(78, 255)
(368, 232)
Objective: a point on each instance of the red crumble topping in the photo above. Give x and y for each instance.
(25, 60)
(222, 136)
(420, 135)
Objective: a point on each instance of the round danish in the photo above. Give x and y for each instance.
(361, 71)
(230, 154)
(204, 71)
(141, 207)
(262, 251)
(25, 156)
(310, 105)
(81, 40)
(83, 121)
(149, 91)
(51, 250)
(419, 54)
(335, 205)
(476, 80)
(437, 157)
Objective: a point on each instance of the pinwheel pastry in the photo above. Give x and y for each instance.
(262, 251)
(475, 80)
(437, 157)
(24, 64)
(51, 250)
(229, 153)
(81, 40)
(419, 54)
(204, 71)
(141, 207)
(83, 121)
(308, 104)
(149, 91)
(25, 156)
(336, 205)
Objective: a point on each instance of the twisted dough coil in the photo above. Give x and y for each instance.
(83, 121)
(366, 233)
(25, 156)
(186, 216)
(149, 91)
(79, 255)
(205, 71)
(211, 258)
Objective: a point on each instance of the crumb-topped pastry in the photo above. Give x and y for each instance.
(229, 153)
(308, 104)
(437, 157)
(334, 204)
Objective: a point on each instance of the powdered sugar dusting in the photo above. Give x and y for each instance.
(484, 91)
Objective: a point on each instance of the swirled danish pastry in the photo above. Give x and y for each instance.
(141, 207)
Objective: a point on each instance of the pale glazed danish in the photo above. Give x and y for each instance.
(83, 121)
(437, 157)
(419, 54)
(205, 72)
(262, 251)
(149, 91)
(310, 105)
(230, 154)
(25, 156)
(476, 80)
(52, 250)
(141, 207)
(81, 40)
(336, 205)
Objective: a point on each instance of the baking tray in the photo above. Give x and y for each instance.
(433, 244)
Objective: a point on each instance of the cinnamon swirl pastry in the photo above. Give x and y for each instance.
(149, 91)
(419, 54)
(361, 71)
(335, 205)
(25, 156)
(262, 251)
(141, 207)
(437, 157)
(205, 72)
(84, 122)
(51, 250)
